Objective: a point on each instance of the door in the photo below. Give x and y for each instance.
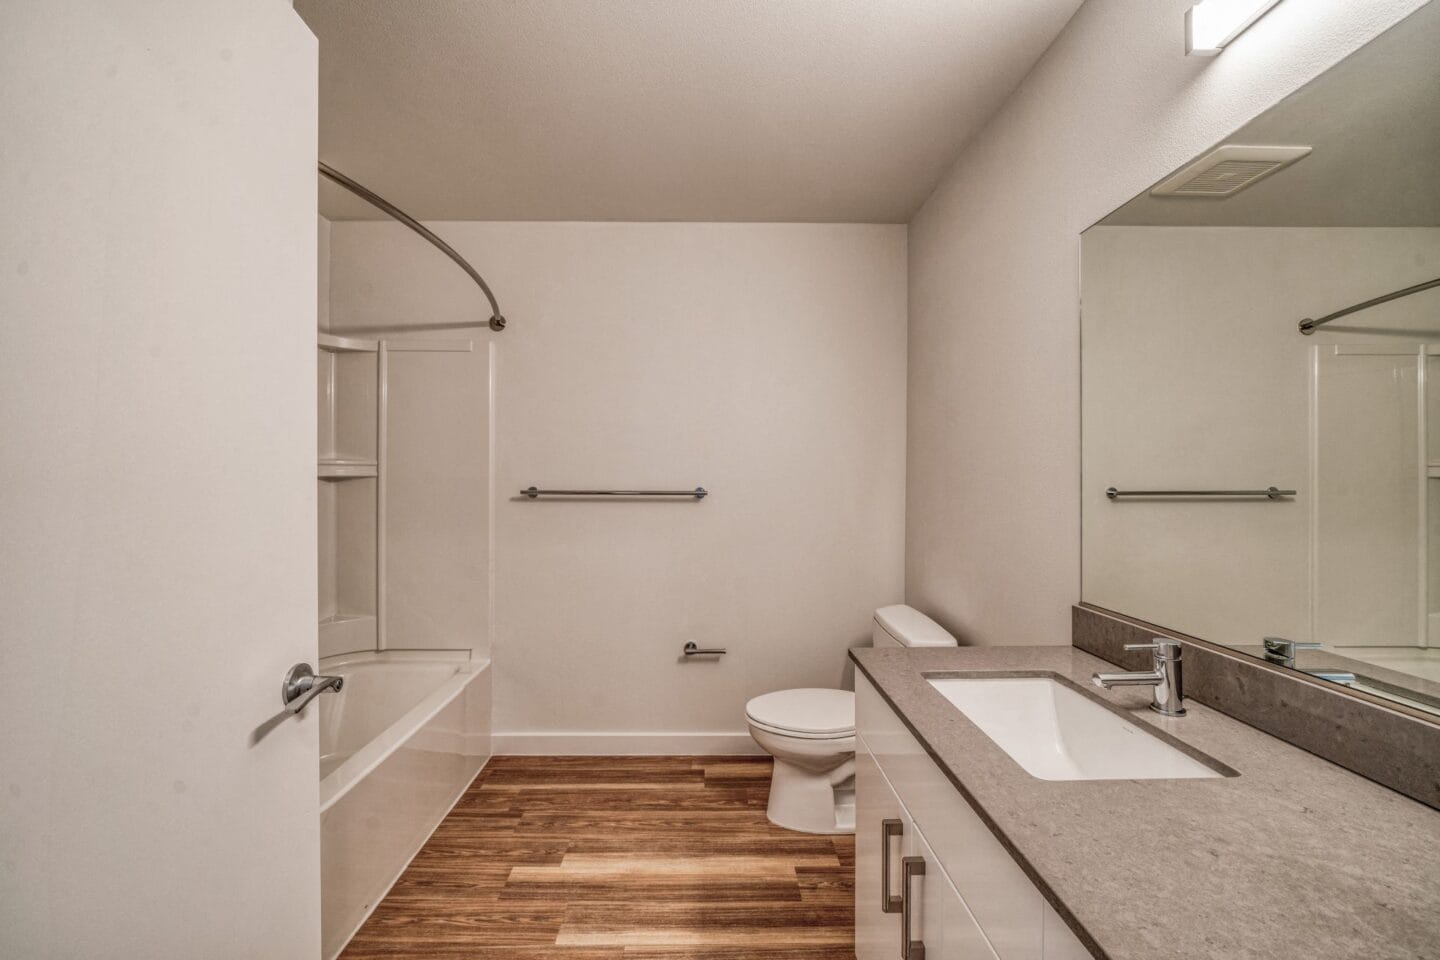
(157, 515)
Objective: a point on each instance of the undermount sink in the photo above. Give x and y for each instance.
(1057, 733)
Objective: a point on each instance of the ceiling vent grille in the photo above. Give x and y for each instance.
(1225, 171)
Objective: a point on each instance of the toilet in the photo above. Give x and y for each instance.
(811, 734)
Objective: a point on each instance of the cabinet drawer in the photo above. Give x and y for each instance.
(1004, 902)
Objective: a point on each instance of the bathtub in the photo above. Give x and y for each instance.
(398, 746)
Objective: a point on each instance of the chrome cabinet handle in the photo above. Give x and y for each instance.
(301, 686)
(910, 868)
(889, 903)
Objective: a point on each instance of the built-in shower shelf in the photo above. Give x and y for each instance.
(346, 469)
(334, 344)
(346, 633)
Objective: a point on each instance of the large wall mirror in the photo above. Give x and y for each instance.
(1248, 482)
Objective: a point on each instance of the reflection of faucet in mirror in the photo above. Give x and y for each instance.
(1282, 651)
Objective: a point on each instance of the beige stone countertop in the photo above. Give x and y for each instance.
(1294, 858)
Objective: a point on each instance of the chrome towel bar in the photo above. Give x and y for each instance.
(1269, 493)
(699, 493)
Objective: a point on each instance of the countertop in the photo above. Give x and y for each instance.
(1293, 858)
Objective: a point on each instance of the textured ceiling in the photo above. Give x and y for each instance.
(744, 110)
(1374, 121)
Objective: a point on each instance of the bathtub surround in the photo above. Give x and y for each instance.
(1383, 743)
(765, 362)
(405, 505)
(404, 493)
(1111, 107)
(322, 272)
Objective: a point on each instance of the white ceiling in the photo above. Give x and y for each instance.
(741, 110)
(1374, 123)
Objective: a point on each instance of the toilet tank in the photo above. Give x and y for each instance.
(901, 626)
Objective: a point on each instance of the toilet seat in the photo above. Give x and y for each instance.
(808, 713)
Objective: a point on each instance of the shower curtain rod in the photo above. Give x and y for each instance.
(497, 319)
(1307, 326)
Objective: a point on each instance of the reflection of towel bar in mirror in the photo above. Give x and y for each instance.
(699, 493)
(1269, 493)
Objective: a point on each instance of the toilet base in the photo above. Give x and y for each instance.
(812, 802)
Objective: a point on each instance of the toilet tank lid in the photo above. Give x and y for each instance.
(912, 628)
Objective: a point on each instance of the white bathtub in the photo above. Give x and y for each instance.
(398, 746)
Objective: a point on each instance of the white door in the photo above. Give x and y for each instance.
(157, 518)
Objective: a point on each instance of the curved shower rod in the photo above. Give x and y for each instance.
(1307, 326)
(497, 319)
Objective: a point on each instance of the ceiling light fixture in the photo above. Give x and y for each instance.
(1211, 24)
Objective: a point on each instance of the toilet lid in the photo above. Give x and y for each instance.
(810, 711)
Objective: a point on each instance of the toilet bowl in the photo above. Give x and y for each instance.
(811, 734)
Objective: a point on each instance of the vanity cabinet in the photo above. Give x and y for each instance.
(938, 916)
(973, 901)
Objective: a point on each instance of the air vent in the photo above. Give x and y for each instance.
(1225, 171)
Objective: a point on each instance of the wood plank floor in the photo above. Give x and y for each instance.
(618, 858)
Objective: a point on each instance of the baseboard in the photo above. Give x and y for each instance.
(624, 744)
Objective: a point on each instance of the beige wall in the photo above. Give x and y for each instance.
(1195, 377)
(764, 361)
(992, 540)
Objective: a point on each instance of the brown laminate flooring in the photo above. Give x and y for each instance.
(604, 858)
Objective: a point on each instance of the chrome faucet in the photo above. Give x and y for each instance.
(1164, 677)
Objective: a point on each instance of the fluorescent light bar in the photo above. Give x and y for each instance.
(1211, 24)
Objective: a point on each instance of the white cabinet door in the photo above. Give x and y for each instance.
(940, 920)
(882, 829)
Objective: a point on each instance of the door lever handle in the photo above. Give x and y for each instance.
(301, 685)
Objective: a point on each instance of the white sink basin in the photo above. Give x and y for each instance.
(1056, 733)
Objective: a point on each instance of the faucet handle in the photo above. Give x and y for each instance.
(1164, 647)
